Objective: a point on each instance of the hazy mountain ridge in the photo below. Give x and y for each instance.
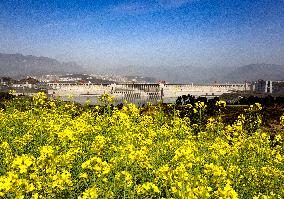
(254, 72)
(173, 74)
(17, 65)
(190, 74)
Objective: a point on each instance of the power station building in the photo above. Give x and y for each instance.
(269, 86)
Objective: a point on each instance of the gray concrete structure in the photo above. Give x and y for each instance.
(269, 86)
(165, 92)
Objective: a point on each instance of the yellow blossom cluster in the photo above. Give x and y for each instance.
(52, 149)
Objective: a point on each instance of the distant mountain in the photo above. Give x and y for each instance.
(18, 65)
(255, 72)
(188, 74)
(173, 74)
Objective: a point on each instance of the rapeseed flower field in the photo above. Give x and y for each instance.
(51, 149)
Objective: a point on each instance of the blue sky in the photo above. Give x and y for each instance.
(101, 33)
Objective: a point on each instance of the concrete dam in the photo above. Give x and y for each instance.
(144, 92)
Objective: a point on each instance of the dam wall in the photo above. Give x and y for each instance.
(145, 91)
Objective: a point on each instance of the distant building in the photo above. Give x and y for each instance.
(269, 86)
(259, 86)
(278, 87)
